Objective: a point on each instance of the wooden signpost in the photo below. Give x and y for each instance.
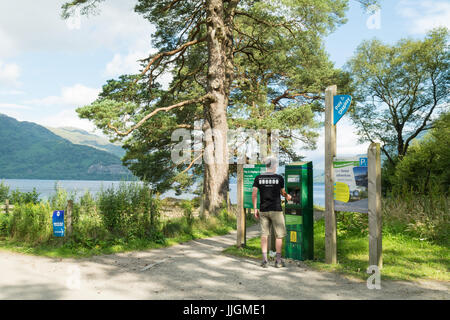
(375, 218)
(240, 240)
(335, 108)
(330, 153)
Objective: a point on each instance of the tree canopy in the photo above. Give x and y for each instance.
(235, 63)
(399, 89)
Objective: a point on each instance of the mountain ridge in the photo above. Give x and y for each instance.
(83, 137)
(31, 151)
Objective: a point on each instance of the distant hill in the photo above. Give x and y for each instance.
(30, 151)
(78, 136)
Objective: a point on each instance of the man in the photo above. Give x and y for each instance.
(270, 186)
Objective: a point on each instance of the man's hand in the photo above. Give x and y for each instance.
(256, 213)
(288, 197)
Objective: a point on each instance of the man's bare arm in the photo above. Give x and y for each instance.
(284, 194)
(255, 200)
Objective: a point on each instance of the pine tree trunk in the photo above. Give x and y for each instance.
(219, 81)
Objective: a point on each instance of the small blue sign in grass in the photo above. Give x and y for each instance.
(58, 223)
(341, 103)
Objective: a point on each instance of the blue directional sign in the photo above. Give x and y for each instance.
(58, 223)
(341, 104)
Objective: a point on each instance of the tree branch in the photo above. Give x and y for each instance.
(427, 117)
(272, 25)
(168, 53)
(192, 163)
(286, 95)
(170, 5)
(151, 114)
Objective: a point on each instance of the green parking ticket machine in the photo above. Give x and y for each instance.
(299, 211)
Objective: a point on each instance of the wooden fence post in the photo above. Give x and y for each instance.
(375, 213)
(69, 217)
(6, 205)
(330, 153)
(240, 214)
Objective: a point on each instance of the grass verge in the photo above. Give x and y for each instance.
(177, 231)
(404, 257)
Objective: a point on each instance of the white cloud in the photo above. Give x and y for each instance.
(124, 64)
(14, 106)
(346, 144)
(36, 26)
(75, 96)
(9, 74)
(66, 118)
(425, 15)
(11, 92)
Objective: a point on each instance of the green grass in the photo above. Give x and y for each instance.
(404, 257)
(179, 232)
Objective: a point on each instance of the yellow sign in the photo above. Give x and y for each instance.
(293, 236)
(341, 192)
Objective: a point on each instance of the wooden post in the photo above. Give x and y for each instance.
(330, 153)
(375, 214)
(69, 218)
(6, 205)
(240, 214)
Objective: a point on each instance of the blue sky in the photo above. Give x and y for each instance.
(49, 67)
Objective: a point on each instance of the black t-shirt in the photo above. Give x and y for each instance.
(269, 186)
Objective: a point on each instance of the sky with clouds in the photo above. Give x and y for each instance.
(49, 66)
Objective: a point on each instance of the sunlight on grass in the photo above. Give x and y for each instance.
(179, 233)
(404, 258)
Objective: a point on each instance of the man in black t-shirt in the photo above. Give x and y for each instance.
(270, 186)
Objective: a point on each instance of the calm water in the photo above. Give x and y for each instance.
(47, 187)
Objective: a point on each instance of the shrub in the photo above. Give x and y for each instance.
(131, 211)
(352, 223)
(58, 200)
(187, 207)
(4, 192)
(18, 197)
(422, 216)
(424, 169)
(4, 224)
(31, 223)
(87, 222)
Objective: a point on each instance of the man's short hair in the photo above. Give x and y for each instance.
(271, 162)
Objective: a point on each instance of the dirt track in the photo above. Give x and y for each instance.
(193, 270)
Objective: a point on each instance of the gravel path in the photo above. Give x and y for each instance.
(193, 270)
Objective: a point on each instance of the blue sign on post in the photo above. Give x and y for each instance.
(341, 104)
(58, 223)
(363, 162)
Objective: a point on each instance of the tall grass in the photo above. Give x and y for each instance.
(425, 217)
(123, 218)
(419, 215)
(130, 211)
(30, 222)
